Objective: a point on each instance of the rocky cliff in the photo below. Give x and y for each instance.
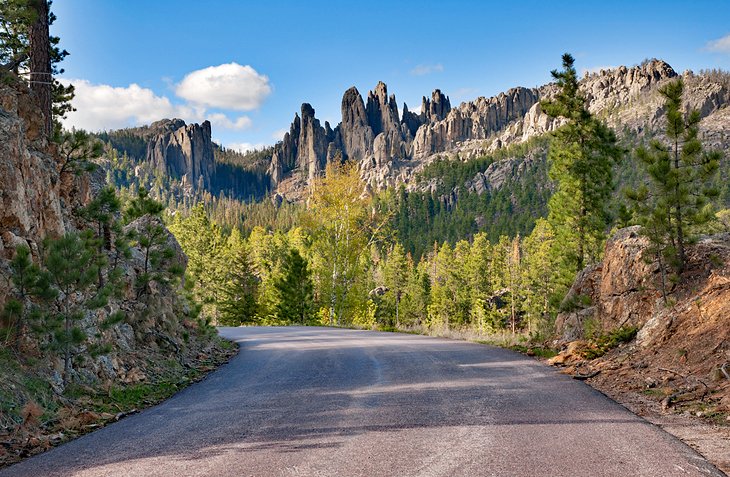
(391, 148)
(30, 197)
(681, 353)
(182, 151)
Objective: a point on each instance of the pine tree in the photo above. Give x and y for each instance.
(295, 290)
(25, 43)
(581, 155)
(478, 269)
(14, 315)
(77, 150)
(238, 294)
(203, 243)
(675, 206)
(540, 274)
(102, 212)
(71, 269)
(15, 20)
(151, 237)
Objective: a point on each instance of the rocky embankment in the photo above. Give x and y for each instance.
(678, 364)
(157, 343)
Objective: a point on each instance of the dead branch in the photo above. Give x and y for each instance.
(673, 372)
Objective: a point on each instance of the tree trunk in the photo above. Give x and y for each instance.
(397, 302)
(40, 62)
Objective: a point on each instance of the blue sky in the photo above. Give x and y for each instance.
(248, 65)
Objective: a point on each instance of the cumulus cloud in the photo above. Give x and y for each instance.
(245, 146)
(102, 106)
(211, 93)
(227, 86)
(421, 70)
(721, 45)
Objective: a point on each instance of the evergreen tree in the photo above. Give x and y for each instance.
(102, 212)
(203, 243)
(77, 149)
(238, 294)
(15, 20)
(581, 155)
(540, 275)
(25, 44)
(417, 296)
(295, 290)
(675, 205)
(71, 269)
(151, 237)
(14, 315)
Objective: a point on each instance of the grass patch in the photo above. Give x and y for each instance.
(136, 396)
(605, 343)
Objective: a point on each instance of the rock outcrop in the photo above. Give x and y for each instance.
(30, 195)
(355, 131)
(182, 151)
(305, 147)
(478, 119)
(38, 202)
(624, 290)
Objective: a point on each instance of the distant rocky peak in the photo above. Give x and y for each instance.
(381, 111)
(183, 151)
(608, 89)
(307, 111)
(437, 108)
(166, 125)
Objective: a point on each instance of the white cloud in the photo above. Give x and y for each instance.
(223, 121)
(245, 146)
(102, 106)
(227, 86)
(421, 70)
(721, 45)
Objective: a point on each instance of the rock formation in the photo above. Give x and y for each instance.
(623, 289)
(183, 152)
(305, 147)
(30, 196)
(357, 135)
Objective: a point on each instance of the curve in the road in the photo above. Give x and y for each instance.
(330, 402)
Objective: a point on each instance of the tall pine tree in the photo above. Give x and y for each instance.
(237, 302)
(675, 205)
(295, 290)
(581, 156)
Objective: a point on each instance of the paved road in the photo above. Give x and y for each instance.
(328, 402)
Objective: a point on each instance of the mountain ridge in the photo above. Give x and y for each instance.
(392, 147)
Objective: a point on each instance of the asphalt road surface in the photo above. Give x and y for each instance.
(330, 402)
